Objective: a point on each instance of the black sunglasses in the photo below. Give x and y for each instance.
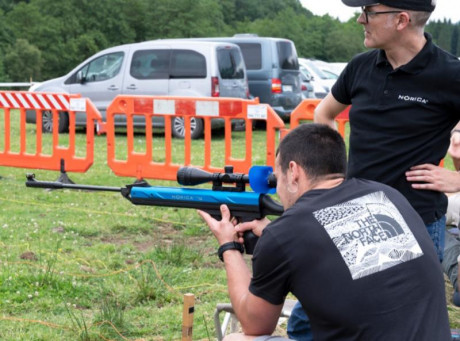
(372, 13)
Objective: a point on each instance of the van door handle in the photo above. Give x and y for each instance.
(131, 87)
(112, 87)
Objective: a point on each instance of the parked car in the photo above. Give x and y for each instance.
(174, 68)
(308, 91)
(273, 70)
(321, 81)
(329, 74)
(336, 67)
(319, 91)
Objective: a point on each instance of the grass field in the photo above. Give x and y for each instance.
(78, 265)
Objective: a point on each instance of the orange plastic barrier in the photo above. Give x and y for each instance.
(141, 164)
(59, 157)
(305, 111)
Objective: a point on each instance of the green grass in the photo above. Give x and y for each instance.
(78, 265)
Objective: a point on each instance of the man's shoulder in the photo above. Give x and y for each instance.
(445, 62)
(365, 183)
(446, 55)
(360, 185)
(362, 62)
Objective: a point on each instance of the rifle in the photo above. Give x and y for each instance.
(244, 206)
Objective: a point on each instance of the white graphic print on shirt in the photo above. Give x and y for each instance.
(370, 233)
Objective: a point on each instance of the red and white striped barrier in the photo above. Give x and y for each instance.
(13, 107)
(30, 100)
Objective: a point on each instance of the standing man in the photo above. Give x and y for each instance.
(354, 252)
(404, 103)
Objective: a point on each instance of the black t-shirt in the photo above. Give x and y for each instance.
(400, 118)
(361, 263)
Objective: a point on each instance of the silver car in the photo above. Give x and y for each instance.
(158, 68)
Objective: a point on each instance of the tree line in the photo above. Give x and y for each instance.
(42, 39)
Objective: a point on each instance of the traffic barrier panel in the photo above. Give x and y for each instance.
(55, 157)
(141, 164)
(305, 112)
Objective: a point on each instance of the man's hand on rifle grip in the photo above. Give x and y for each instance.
(223, 230)
(256, 226)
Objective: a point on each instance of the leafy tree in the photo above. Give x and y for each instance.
(23, 61)
(135, 14)
(7, 5)
(66, 32)
(28, 24)
(343, 42)
(259, 9)
(454, 41)
(445, 32)
(184, 18)
(3, 77)
(282, 22)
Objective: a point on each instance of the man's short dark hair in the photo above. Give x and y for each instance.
(317, 148)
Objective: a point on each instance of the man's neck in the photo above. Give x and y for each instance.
(327, 182)
(404, 51)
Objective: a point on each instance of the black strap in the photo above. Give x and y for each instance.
(229, 246)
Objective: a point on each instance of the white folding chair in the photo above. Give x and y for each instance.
(230, 321)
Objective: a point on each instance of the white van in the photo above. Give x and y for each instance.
(159, 68)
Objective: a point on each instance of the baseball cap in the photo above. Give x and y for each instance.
(414, 5)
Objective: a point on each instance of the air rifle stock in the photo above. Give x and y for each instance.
(244, 206)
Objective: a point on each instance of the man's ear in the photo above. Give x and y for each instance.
(294, 169)
(403, 20)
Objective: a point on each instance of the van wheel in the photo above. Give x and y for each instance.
(47, 122)
(178, 127)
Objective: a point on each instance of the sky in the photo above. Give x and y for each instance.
(445, 9)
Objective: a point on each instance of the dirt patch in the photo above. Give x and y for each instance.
(144, 246)
(163, 235)
(29, 255)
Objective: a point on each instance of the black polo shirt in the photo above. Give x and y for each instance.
(400, 118)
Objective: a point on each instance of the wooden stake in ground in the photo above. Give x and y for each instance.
(187, 317)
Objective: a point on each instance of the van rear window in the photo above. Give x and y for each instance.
(188, 64)
(231, 64)
(252, 54)
(287, 55)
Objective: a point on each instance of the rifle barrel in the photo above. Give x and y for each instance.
(31, 182)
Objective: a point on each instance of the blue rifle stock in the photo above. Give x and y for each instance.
(244, 206)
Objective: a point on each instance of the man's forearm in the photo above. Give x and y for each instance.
(256, 316)
(322, 118)
(238, 279)
(327, 110)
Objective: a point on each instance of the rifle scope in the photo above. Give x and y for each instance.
(190, 176)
